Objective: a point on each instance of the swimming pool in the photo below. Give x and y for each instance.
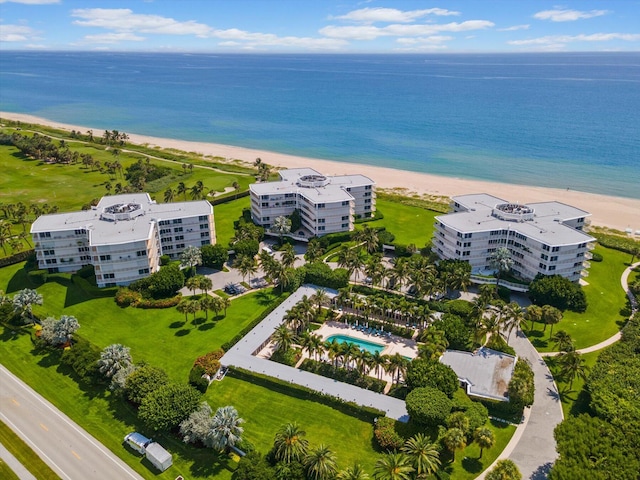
(370, 347)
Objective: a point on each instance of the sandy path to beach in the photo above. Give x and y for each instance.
(614, 212)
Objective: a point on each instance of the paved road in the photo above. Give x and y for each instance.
(69, 450)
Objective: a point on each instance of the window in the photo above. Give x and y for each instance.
(49, 253)
(581, 220)
(552, 267)
(179, 237)
(544, 256)
(468, 235)
(141, 253)
(168, 247)
(344, 204)
(104, 258)
(555, 249)
(167, 239)
(203, 218)
(165, 230)
(51, 261)
(321, 229)
(204, 242)
(204, 226)
(321, 220)
(367, 187)
(345, 225)
(266, 219)
(367, 194)
(348, 189)
(367, 200)
(466, 253)
(80, 231)
(85, 258)
(143, 271)
(177, 229)
(367, 207)
(45, 235)
(459, 235)
(264, 197)
(265, 204)
(164, 222)
(546, 247)
(320, 205)
(289, 195)
(176, 220)
(554, 258)
(581, 254)
(110, 284)
(83, 249)
(577, 264)
(180, 245)
(204, 234)
(467, 244)
(345, 217)
(109, 275)
(542, 266)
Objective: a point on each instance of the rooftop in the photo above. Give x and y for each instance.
(120, 218)
(486, 372)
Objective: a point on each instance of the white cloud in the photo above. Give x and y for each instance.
(112, 37)
(369, 32)
(256, 39)
(391, 15)
(559, 15)
(31, 2)
(432, 40)
(561, 40)
(15, 33)
(124, 20)
(514, 28)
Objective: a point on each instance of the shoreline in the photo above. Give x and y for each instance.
(608, 211)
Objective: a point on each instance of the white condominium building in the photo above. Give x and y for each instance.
(544, 237)
(123, 237)
(326, 204)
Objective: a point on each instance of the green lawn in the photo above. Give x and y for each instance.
(607, 307)
(574, 399)
(409, 224)
(224, 216)
(6, 473)
(159, 337)
(23, 453)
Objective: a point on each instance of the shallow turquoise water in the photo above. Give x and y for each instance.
(371, 347)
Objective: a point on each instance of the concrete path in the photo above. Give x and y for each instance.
(624, 283)
(533, 447)
(15, 465)
(68, 449)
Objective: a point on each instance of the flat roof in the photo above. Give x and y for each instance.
(475, 200)
(486, 372)
(158, 452)
(333, 191)
(107, 232)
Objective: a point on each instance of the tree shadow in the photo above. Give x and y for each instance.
(177, 324)
(198, 321)
(264, 298)
(206, 326)
(472, 465)
(536, 342)
(582, 403)
(19, 281)
(182, 333)
(542, 472)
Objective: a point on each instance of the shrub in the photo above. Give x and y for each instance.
(160, 302)
(214, 256)
(457, 333)
(321, 274)
(596, 257)
(246, 247)
(352, 377)
(558, 292)
(431, 373)
(38, 277)
(428, 406)
(496, 342)
(210, 362)
(144, 381)
(476, 413)
(126, 297)
(165, 260)
(462, 308)
(83, 358)
(86, 272)
(386, 435)
(504, 294)
(197, 379)
(164, 408)
(166, 282)
(521, 386)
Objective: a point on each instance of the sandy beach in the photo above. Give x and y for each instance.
(608, 211)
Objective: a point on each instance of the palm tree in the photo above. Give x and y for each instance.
(550, 316)
(236, 188)
(501, 260)
(23, 302)
(288, 255)
(246, 264)
(289, 444)
(379, 362)
(393, 466)
(397, 366)
(193, 306)
(283, 338)
(563, 341)
(225, 303)
(281, 226)
(204, 283)
(192, 284)
(190, 257)
(197, 191)
(533, 314)
(321, 463)
(368, 237)
(169, 195)
(113, 358)
(423, 453)
(320, 298)
(504, 470)
(206, 304)
(314, 251)
(572, 365)
(334, 351)
(484, 438)
(513, 318)
(183, 307)
(356, 472)
(225, 428)
(454, 439)
(181, 189)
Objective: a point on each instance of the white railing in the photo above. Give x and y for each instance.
(516, 287)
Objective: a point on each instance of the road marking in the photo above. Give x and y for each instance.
(44, 427)
(15, 401)
(75, 455)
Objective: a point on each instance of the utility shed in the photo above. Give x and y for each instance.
(158, 456)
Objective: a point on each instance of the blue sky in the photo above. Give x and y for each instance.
(340, 26)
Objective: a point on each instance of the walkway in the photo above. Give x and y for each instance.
(624, 282)
(68, 449)
(15, 465)
(242, 355)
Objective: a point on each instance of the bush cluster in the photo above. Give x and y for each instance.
(344, 375)
(82, 358)
(162, 284)
(386, 435)
(431, 373)
(197, 379)
(164, 408)
(321, 274)
(428, 406)
(210, 362)
(558, 292)
(521, 387)
(143, 381)
(214, 256)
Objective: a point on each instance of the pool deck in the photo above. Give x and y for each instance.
(242, 356)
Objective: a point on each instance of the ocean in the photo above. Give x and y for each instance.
(566, 120)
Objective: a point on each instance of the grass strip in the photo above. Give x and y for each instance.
(24, 455)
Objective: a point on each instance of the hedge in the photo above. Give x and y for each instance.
(367, 414)
(386, 435)
(16, 258)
